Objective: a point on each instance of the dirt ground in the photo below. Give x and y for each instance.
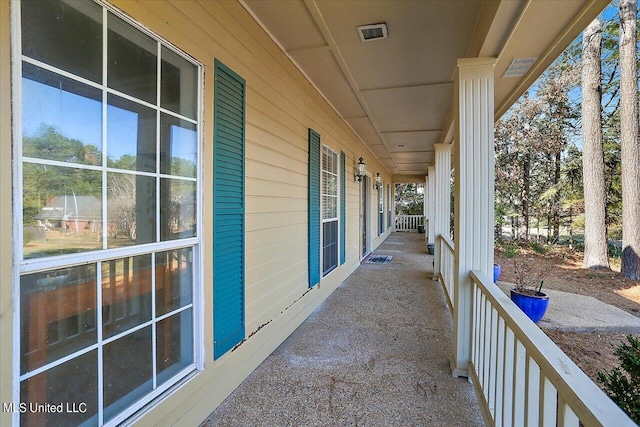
(562, 270)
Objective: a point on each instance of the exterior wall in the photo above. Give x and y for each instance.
(281, 106)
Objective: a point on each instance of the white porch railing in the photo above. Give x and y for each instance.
(447, 261)
(521, 377)
(409, 222)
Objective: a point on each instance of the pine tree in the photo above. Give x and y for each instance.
(595, 233)
(630, 144)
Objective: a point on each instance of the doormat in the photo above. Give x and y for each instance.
(379, 259)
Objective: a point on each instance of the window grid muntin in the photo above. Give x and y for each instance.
(49, 263)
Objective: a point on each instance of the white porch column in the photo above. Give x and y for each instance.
(425, 208)
(431, 203)
(474, 193)
(442, 199)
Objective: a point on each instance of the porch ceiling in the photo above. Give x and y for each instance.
(399, 90)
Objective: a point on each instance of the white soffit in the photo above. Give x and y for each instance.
(425, 39)
(289, 22)
(390, 165)
(412, 141)
(321, 67)
(362, 126)
(410, 108)
(380, 151)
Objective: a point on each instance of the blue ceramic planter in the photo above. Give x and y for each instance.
(534, 306)
(496, 272)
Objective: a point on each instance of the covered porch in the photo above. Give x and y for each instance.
(378, 352)
(375, 353)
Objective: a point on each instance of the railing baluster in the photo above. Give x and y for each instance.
(549, 405)
(533, 388)
(493, 358)
(566, 416)
(481, 345)
(486, 357)
(509, 377)
(519, 379)
(499, 390)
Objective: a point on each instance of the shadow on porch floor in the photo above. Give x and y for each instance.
(374, 354)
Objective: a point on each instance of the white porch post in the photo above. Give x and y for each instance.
(474, 194)
(425, 208)
(430, 207)
(442, 199)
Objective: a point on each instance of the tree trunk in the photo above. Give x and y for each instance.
(570, 227)
(630, 144)
(595, 232)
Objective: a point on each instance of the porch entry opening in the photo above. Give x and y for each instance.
(108, 174)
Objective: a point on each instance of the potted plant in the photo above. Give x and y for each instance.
(527, 294)
(496, 272)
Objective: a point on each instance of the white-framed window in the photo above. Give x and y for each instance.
(329, 210)
(107, 207)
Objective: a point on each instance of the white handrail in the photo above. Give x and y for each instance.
(521, 377)
(408, 222)
(447, 263)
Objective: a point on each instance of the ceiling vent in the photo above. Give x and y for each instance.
(519, 67)
(372, 32)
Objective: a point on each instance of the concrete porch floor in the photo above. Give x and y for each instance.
(375, 353)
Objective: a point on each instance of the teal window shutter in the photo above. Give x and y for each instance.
(314, 208)
(343, 209)
(228, 210)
